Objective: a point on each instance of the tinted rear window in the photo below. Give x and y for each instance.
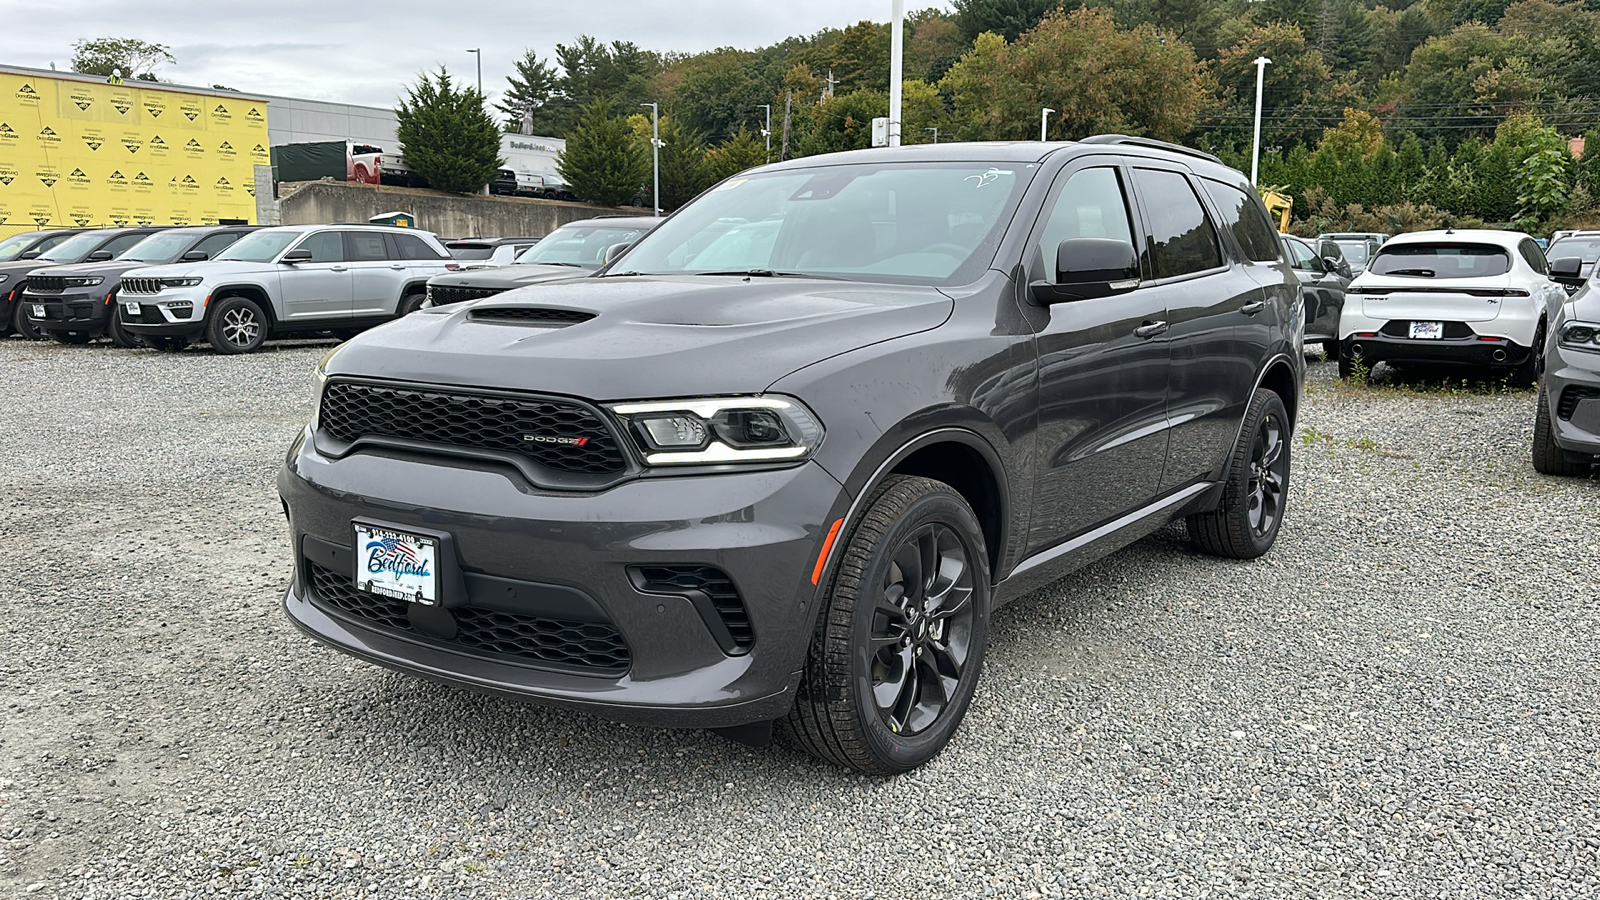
(470, 251)
(1441, 261)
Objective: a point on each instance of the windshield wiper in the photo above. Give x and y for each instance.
(1424, 273)
(573, 265)
(761, 273)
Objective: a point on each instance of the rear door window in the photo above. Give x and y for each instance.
(1182, 238)
(364, 246)
(1440, 260)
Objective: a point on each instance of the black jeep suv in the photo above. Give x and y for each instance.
(782, 458)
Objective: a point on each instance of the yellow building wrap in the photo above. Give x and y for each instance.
(77, 153)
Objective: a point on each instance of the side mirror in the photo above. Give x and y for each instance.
(614, 251)
(1090, 267)
(297, 256)
(1334, 264)
(1567, 270)
(31, 254)
(98, 256)
(196, 256)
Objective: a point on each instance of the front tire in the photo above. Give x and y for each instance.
(23, 325)
(410, 303)
(121, 336)
(898, 648)
(1245, 524)
(1547, 456)
(237, 325)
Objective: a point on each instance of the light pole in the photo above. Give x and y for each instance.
(1255, 145)
(479, 55)
(655, 154)
(897, 55)
(935, 134)
(1044, 122)
(767, 131)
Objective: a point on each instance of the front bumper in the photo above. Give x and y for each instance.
(1469, 351)
(1572, 388)
(168, 314)
(528, 553)
(67, 312)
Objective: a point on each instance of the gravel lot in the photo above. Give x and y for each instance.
(1400, 700)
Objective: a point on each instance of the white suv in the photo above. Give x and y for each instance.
(277, 281)
(1474, 298)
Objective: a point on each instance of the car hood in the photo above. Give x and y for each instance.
(210, 270)
(650, 337)
(110, 268)
(19, 268)
(508, 277)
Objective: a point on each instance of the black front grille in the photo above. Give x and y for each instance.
(712, 583)
(589, 646)
(46, 284)
(444, 295)
(141, 285)
(1570, 395)
(557, 434)
(527, 315)
(1401, 328)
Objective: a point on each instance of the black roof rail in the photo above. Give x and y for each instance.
(1149, 142)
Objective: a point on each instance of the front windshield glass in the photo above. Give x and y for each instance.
(13, 247)
(75, 248)
(925, 223)
(1354, 251)
(1586, 249)
(260, 246)
(159, 248)
(578, 245)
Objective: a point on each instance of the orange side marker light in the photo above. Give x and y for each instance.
(827, 545)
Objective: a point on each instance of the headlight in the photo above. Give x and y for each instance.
(3, 278)
(180, 282)
(85, 282)
(721, 430)
(1583, 335)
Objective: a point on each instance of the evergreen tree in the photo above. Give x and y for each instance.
(446, 135)
(1007, 18)
(604, 161)
(745, 150)
(527, 100)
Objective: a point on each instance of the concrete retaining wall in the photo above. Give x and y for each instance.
(447, 215)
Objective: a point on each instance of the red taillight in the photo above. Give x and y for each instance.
(1366, 334)
(1484, 337)
(452, 267)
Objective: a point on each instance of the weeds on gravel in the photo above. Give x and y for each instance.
(1391, 383)
(1312, 437)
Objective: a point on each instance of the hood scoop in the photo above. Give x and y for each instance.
(538, 317)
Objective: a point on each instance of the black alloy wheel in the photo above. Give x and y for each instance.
(899, 645)
(1246, 521)
(237, 325)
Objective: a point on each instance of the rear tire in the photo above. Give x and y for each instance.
(410, 303)
(897, 651)
(1245, 524)
(236, 325)
(1547, 456)
(23, 325)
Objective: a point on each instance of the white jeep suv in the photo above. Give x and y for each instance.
(284, 280)
(1473, 298)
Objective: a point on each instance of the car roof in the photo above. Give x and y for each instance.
(1012, 152)
(348, 226)
(490, 241)
(1507, 239)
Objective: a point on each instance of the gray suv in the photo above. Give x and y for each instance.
(781, 459)
(284, 280)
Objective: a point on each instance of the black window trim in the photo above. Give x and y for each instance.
(1145, 256)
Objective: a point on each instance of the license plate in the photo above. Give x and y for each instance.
(131, 308)
(397, 564)
(1428, 331)
(38, 311)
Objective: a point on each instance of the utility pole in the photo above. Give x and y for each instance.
(1255, 144)
(655, 153)
(1044, 123)
(767, 131)
(479, 54)
(788, 110)
(827, 92)
(897, 57)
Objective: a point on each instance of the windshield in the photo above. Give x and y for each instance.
(1586, 249)
(1355, 252)
(13, 247)
(261, 246)
(922, 223)
(1441, 260)
(578, 245)
(75, 248)
(159, 248)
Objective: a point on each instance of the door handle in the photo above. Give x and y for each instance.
(1253, 307)
(1150, 329)
(398, 268)
(338, 268)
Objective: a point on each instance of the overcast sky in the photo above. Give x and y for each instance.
(367, 52)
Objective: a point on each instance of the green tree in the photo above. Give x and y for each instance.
(132, 57)
(1588, 166)
(933, 45)
(712, 93)
(1007, 18)
(745, 150)
(528, 97)
(684, 173)
(621, 73)
(1296, 87)
(604, 162)
(446, 135)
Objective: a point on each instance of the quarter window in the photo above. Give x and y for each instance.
(1242, 215)
(1535, 257)
(1090, 205)
(413, 247)
(1182, 239)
